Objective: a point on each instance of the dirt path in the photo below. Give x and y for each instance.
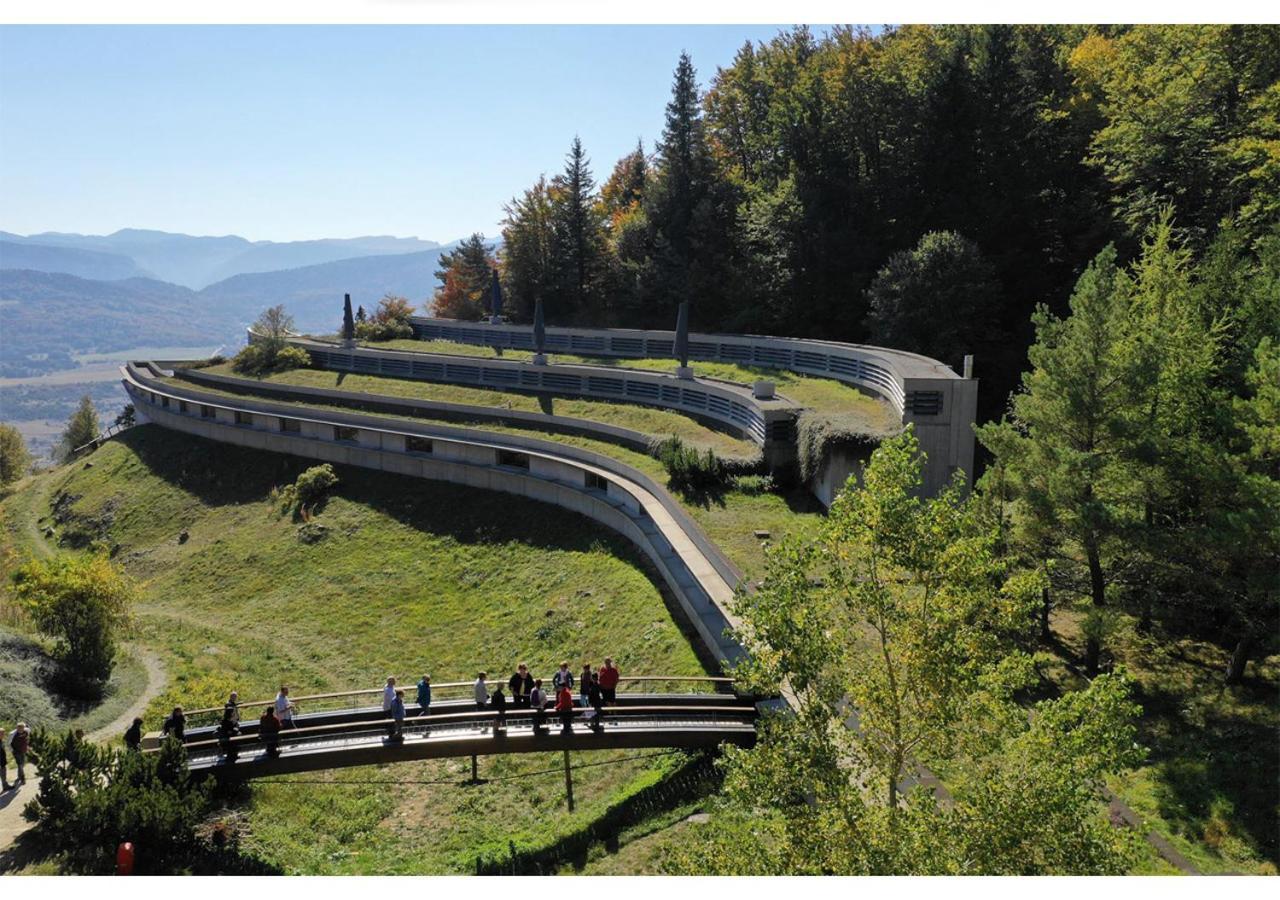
(12, 825)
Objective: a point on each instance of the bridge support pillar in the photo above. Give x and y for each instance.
(568, 780)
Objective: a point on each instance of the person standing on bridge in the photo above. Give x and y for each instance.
(562, 679)
(500, 707)
(609, 676)
(231, 713)
(564, 707)
(389, 693)
(269, 731)
(284, 709)
(595, 696)
(133, 736)
(538, 700)
(481, 694)
(584, 685)
(175, 725)
(424, 696)
(521, 685)
(397, 716)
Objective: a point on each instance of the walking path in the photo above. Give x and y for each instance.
(12, 824)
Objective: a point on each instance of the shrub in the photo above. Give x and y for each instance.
(92, 798)
(262, 359)
(81, 602)
(14, 458)
(389, 322)
(309, 488)
(754, 484)
(689, 471)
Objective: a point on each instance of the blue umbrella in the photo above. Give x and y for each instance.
(682, 334)
(495, 295)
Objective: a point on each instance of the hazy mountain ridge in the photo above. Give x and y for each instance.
(196, 261)
(96, 264)
(50, 317)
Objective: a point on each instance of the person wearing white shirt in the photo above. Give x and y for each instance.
(285, 708)
(482, 691)
(389, 694)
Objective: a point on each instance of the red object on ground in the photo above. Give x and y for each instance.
(124, 859)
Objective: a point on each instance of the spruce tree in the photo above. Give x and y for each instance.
(579, 235)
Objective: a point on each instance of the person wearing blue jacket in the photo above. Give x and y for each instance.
(424, 696)
(397, 717)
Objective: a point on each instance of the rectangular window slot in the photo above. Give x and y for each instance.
(290, 426)
(597, 482)
(182, 406)
(343, 433)
(164, 401)
(207, 412)
(243, 418)
(513, 459)
(417, 444)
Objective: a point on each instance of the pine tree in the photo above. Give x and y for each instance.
(528, 248)
(1065, 448)
(692, 217)
(464, 277)
(579, 236)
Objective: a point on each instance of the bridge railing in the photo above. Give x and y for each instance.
(449, 690)
(483, 720)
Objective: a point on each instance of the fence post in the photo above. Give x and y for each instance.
(475, 778)
(568, 780)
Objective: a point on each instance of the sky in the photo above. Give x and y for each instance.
(301, 132)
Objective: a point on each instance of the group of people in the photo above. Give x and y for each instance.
(20, 744)
(595, 689)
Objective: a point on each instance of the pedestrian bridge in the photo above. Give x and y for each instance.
(359, 735)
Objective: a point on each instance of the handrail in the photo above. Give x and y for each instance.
(476, 715)
(445, 684)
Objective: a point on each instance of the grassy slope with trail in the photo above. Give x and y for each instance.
(412, 575)
(730, 517)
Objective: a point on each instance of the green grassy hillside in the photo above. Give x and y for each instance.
(412, 576)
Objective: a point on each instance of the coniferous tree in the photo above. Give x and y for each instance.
(1065, 446)
(464, 277)
(528, 249)
(578, 230)
(690, 209)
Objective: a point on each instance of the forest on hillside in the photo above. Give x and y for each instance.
(925, 187)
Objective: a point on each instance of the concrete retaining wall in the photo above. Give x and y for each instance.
(924, 391)
(618, 497)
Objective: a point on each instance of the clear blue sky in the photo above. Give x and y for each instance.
(299, 132)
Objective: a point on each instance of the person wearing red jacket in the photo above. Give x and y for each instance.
(564, 706)
(609, 676)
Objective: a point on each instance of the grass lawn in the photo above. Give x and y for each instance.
(413, 576)
(730, 518)
(1211, 783)
(824, 394)
(657, 422)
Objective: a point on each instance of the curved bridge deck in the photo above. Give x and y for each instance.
(361, 737)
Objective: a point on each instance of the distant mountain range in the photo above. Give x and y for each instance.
(62, 301)
(183, 259)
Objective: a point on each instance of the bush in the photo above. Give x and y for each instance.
(383, 331)
(81, 602)
(263, 359)
(754, 484)
(92, 798)
(14, 458)
(689, 471)
(309, 488)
